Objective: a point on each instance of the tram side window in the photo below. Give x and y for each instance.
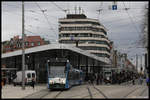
(74, 75)
(77, 75)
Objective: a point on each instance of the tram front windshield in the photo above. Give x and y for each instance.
(57, 70)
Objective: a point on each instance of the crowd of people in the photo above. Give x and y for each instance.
(115, 78)
(123, 77)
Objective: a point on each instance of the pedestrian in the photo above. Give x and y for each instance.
(100, 78)
(9, 80)
(133, 81)
(33, 82)
(91, 78)
(147, 81)
(94, 77)
(97, 79)
(140, 80)
(4, 80)
(118, 79)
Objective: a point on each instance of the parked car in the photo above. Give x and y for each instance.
(29, 74)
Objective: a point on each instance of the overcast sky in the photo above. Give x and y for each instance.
(124, 27)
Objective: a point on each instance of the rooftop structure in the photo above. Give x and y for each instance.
(88, 34)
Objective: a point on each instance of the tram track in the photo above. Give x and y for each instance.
(52, 94)
(91, 95)
(38, 94)
(89, 92)
(43, 94)
(57, 94)
(143, 91)
(106, 97)
(100, 92)
(131, 92)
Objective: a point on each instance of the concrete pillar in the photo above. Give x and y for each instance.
(79, 62)
(86, 66)
(15, 63)
(93, 65)
(33, 59)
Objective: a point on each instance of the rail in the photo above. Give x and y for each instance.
(42, 94)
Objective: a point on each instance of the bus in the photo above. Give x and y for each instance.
(61, 74)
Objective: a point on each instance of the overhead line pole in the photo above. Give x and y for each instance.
(23, 51)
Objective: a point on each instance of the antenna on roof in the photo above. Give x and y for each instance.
(75, 9)
(79, 9)
(82, 11)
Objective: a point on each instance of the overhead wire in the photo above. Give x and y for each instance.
(59, 7)
(45, 17)
(122, 19)
(131, 19)
(36, 19)
(42, 35)
(47, 33)
(32, 11)
(38, 28)
(133, 25)
(27, 16)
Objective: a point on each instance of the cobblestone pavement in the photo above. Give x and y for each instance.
(82, 91)
(10, 91)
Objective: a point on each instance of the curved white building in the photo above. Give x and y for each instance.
(89, 33)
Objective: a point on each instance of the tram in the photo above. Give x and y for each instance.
(61, 74)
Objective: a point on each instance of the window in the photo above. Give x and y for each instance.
(28, 75)
(19, 45)
(33, 75)
(39, 43)
(27, 43)
(32, 44)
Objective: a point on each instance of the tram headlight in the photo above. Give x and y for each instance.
(63, 81)
(51, 81)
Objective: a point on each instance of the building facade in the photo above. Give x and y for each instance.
(88, 34)
(15, 43)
